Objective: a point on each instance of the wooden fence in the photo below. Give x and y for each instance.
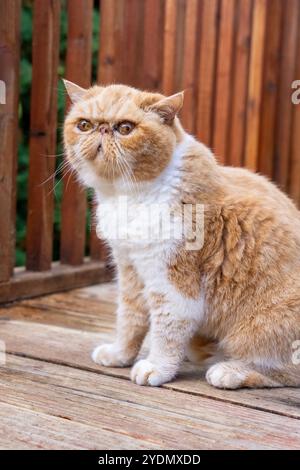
(236, 59)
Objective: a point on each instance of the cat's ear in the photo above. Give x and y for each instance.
(167, 108)
(75, 92)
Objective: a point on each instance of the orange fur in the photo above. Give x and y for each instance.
(248, 268)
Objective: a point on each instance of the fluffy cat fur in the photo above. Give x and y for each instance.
(238, 296)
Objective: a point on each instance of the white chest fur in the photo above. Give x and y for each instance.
(120, 218)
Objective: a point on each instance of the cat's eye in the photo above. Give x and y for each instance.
(84, 125)
(125, 127)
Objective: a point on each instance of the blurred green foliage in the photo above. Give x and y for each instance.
(24, 120)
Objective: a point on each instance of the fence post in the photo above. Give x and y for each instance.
(43, 117)
(78, 70)
(9, 76)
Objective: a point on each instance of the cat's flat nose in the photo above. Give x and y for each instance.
(104, 129)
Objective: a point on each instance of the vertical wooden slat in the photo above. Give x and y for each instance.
(284, 105)
(255, 84)
(206, 73)
(223, 79)
(270, 88)
(192, 20)
(78, 70)
(168, 80)
(110, 63)
(294, 188)
(132, 34)
(153, 44)
(179, 46)
(9, 76)
(45, 51)
(240, 83)
(109, 57)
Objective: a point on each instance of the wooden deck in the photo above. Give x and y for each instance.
(52, 396)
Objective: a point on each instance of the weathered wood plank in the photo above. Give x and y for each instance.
(255, 84)
(43, 118)
(26, 429)
(133, 31)
(294, 188)
(152, 44)
(223, 85)
(206, 70)
(60, 277)
(169, 51)
(110, 29)
(97, 318)
(78, 70)
(9, 76)
(284, 112)
(141, 412)
(266, 150)
(44, 342)
(189, 80)
(240, 84)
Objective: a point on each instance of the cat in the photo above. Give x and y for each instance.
(234, 300)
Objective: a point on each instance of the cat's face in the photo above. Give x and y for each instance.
(118, 132)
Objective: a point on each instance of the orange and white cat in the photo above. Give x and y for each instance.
(237, 295)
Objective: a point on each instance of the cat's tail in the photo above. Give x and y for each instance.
(233, 374)
(286, 376)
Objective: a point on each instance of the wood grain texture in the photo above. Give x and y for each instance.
(284, 105)
(294, 180)
(255, 84)
(222, 104)
(26, 284)
(266, 149)
(153, 44)
(169, 52)
(141, 412)
(207, 70)
(26, 429)
(83, 318)
(242, 44)
(78, 70)
(131, 56)
(43, 118)
(9, 76)
(189, 81)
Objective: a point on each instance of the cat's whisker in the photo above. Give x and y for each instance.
(54, 174)
(65, 170)
(126, 167)
(120, 170)
(128, 180)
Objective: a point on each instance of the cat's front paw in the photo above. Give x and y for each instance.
(144, 372)
(224, 375)
(110, 355)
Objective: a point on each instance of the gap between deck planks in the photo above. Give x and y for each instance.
(49, 340)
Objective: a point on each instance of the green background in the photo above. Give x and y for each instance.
(24, 121)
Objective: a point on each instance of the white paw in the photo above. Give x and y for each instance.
(109, 355)
(225, 375)
(145, 372)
